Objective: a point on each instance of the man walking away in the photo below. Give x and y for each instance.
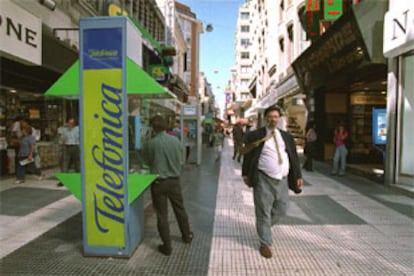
(265, 168)
(238, 137)
(164, 154)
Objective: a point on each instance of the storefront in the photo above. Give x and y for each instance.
(31, 60)
(343, 75)
(399, 49)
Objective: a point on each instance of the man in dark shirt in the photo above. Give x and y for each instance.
(164, 154)
(237, 141)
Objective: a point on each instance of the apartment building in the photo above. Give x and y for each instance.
(191, 28)
(275, 40)
(242, 70)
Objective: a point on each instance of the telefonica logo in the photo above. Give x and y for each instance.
(107, 154)
(102, 53)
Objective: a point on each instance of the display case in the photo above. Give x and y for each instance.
(140, 110)
(362, 104)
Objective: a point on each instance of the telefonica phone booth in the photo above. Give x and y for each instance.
(115, 105)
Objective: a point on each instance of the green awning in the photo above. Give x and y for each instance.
(67, 85)
(137, 184)
(209, 121)
(138, 82)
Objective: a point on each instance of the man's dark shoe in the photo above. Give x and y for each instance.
(164, 250)
(189, 238)
(60, 184)
(265, 251)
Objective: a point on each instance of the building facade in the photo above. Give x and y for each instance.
(242, 71)
(399, 49)
(40, 41)
(343, 74)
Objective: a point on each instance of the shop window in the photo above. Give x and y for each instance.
(407, 126)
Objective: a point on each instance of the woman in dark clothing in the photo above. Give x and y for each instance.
(310, 146)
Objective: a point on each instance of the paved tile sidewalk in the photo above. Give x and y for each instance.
(330, 230)
(338, 226)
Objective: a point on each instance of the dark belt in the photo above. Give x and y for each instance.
(71, 145)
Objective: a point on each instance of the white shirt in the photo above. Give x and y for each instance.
(269, 160)
(71, 135)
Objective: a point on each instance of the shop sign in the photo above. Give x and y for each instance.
(103, 146)
(332, 9)
(189, 110)
(20, 33)
(229, 98)
(368, 99)
(115, 10)
(399, 30)
(340, 48)
(158, 72)
(312, 10)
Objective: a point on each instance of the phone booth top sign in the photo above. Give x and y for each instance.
(189, 110)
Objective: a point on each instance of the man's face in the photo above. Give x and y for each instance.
(272, 119)
(71, 123)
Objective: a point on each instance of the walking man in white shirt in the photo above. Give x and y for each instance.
(266, 167)
(71, 153)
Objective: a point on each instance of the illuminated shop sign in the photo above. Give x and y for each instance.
(332, 9)
(312, 18)
(379, 126)
(103, 131)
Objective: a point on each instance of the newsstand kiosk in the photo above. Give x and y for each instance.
(113, 92)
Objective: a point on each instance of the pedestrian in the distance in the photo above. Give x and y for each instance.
(310, 145)
(26, 155)
(238, 137)
(340, 136)
(164, 155)
(218, 140)
(265, 168)
(71, 151)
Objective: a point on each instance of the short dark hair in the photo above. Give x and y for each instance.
(28, 129)
(273, 108)
(158, 123)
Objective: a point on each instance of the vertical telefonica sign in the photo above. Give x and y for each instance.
(103, 102)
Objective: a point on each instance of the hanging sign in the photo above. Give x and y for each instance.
(332, 9)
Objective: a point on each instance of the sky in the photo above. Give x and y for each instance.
(217, 47)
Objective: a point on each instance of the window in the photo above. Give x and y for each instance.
(282, 44)
(245, 55)
(244, 15)
(245, 28)
(244, 42)
(245, 69)
(244, 82)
